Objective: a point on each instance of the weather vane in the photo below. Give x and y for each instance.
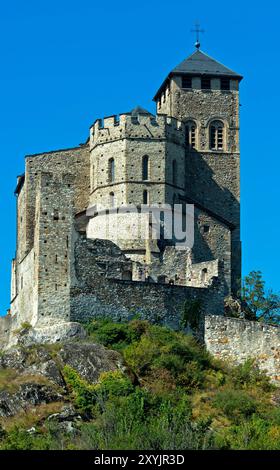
(197, 30)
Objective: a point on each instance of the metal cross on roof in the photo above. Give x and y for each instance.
(197, 30)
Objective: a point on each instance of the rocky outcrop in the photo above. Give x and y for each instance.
(29, 394)
(32, 376)
(27, 335)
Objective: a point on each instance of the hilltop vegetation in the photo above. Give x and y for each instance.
(166, 392)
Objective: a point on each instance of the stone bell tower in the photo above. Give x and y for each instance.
(204, 94)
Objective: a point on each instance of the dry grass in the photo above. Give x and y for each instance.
(11, 380)
(32, 416)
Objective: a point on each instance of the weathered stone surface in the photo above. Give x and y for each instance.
(39, 374)
(57, 188)
(87, 358)
(237, 340)
(49, 334)
(29, 394)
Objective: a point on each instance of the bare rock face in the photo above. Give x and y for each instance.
(29, 394)
(48, 334)
(35, 375)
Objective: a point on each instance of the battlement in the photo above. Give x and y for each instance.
(141, 126)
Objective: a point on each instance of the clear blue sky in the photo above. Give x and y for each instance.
(65, 63)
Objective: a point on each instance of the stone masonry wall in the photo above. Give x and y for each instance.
(24, 302)
(95, 295)
(53, 240)
(237, 340)
(74, 161)
(218, 186)
(127, 141)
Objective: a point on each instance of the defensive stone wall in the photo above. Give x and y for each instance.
(74, 161)
(237, 340)
(24, 301)
(96, 294)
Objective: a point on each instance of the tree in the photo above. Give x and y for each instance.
(259, 304)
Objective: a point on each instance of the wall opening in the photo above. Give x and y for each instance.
(145, 167)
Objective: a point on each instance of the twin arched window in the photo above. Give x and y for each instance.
(216, 135)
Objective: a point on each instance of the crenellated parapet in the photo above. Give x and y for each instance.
(140, 126)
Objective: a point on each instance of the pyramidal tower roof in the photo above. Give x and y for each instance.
(200, 63)
(139, 110)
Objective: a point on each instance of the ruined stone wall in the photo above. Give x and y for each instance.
(21, 225)
(74, 161)
(237, 340)
(212, 240)
(55, 212)
(95, 295)
(23, 304)
(201, 274)
(172, 267)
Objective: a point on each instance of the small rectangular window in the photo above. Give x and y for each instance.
(55, 215)
(225, 84)
(186, 82)
(145, 196)
(206, 83)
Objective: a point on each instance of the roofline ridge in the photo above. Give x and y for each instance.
(220, 63)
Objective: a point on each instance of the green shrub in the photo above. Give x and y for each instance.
(235, 404)
(191, 314)
(83, 393)
(114, 384)
(181, 398)
(248, 374)
(19, 439)
(253, 434)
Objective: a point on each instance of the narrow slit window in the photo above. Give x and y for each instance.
(145, 168)
(145, 196)
(174, 172)
(111, 170)
(112, 200)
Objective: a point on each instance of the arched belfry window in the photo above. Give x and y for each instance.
(145, 167)
(174, 172)
(191, 134)
(111, 170)
(216, 135)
